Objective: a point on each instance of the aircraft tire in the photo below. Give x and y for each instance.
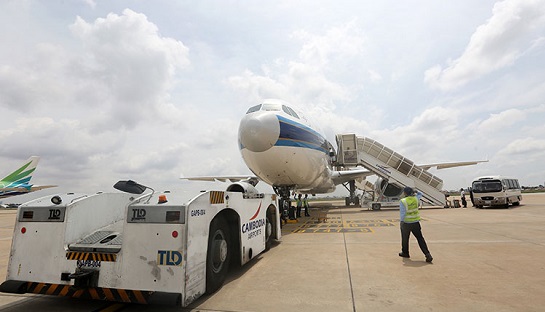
(218, 256)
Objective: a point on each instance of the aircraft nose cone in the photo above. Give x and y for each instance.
(259, 132)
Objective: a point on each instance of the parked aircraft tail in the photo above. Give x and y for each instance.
(21, 177)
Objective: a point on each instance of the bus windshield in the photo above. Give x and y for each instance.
(487, 186)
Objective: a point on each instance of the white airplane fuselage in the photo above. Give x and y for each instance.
(283, 149)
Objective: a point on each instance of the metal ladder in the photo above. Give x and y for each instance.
(384, 162)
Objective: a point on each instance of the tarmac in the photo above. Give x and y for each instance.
(484, 260)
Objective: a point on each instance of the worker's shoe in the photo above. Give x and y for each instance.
(429, 258)
(404, 255)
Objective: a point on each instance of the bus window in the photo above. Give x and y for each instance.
(487, 186)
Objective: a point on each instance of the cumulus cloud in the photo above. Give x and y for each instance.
(307, 80)
(122, 74)
(515, 27)
(65, 143)
(501, 120)
(426, 136)
(72, 102)
(135, 64)
(41, 81)
(522, 157)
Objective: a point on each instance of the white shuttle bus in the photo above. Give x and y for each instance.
(496, 191)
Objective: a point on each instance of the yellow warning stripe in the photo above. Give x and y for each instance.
(216, 197)
(123, 295)
(108, 294)
(39, 287)
(51, 289)
(93, 293)
(107, 257)
(96, 293)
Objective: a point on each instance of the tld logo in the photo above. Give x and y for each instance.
(54, 214)
(138, 214)
(169, 257)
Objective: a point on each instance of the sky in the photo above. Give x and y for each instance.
(154, 90)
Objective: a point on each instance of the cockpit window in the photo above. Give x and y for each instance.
(253, 109)
(270, 107)
(289, 111)
(286, 110)
(273, 107)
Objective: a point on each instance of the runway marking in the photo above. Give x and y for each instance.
(337, 225)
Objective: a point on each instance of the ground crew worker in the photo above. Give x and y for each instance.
(299, 205)
(284, 207)
(305, 204)
(410, 223)
(463, 196)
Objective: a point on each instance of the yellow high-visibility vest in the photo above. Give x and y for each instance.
(411, 204)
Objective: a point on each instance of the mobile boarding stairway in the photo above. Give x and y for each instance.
(361, 151)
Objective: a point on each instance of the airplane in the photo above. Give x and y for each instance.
(287, 151)
(18, 182)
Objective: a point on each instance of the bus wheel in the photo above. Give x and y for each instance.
(218, 255)
(268, 231)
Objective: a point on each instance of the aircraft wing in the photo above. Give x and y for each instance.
(340, 177)
(23, 189)
(15, 189)
(247, 178)
(40, 187)
(452, 164)
(20, 190)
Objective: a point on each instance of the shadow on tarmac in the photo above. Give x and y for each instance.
(234, 273)
(415, 264)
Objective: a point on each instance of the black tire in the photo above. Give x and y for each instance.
(269, 226)
(218, 255)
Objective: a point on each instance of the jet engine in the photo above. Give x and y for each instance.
(390, 190)
(242, 187)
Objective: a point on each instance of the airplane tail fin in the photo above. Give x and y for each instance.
(22, 175)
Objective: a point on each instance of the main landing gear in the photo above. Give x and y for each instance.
(352, 198)
(284, 203)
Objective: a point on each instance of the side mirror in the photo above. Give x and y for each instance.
(130, 187)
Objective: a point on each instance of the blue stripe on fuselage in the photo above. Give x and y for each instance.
(295, 134)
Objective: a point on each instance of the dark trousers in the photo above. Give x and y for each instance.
(406, 230)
